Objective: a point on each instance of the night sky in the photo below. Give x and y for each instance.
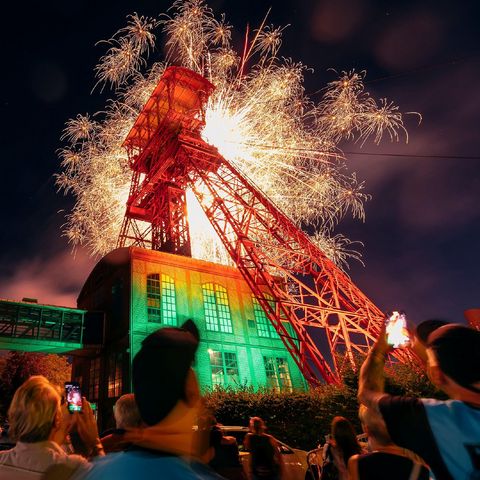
(421, 235)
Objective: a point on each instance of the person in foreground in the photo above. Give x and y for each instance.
(40, 424)
(168, 399)
(339, 448)
(226, 459)
(266, 460)
(446, 434)
(385, 460)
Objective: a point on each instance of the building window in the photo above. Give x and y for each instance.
(161, 301)
(264, 325)
(278, 375)
(115, 375)
(169, 307)
(94, 379)
(217, 310)
(224, 368)
(153, 298)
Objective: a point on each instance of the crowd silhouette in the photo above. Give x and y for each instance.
(162, 431)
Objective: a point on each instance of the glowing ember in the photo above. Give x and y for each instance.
(258, 117)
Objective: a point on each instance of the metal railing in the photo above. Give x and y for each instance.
(41, 322)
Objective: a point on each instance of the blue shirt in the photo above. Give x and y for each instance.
(146, 464)
(446, 434)
(456, 429)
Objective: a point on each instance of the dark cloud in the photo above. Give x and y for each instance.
(413, 282)
(411, 41)
(434, 193)
(423, 222)
(439, 197)
(54, 280)
(334, 21)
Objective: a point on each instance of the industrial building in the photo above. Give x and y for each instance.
(139, 291)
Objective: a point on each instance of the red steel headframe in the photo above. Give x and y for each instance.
(156, 208)
(327, 312)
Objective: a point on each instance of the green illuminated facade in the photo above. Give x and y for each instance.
(142, 290)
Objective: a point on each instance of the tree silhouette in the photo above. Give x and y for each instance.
(19, 366)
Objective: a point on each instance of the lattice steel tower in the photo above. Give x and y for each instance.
(167, 156)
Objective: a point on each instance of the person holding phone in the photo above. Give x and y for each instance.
(446, 434)
(39, 423)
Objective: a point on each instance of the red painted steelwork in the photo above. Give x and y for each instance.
(321, 302)
(156, 210)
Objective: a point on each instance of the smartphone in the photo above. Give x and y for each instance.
(397, 333)
(73, 394)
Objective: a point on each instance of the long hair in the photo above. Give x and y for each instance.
(345, 437)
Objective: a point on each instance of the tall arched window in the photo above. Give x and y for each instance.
(217, 309)
(264, 325)
(161, 300)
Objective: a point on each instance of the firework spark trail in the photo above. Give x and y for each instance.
(258, 117)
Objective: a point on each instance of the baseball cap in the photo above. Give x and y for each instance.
(425, 328)
(457, 350)
(160, 368)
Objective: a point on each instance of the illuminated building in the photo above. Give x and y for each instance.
(142, 290)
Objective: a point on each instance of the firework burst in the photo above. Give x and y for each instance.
(258, 117)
